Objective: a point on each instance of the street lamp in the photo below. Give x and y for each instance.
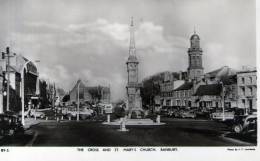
(22, 89)
(223, 98)
(78, 102)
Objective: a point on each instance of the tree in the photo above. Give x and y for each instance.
(150, 89)
(44, 94)
(66, 98)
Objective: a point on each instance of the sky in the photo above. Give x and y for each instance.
(89, 40)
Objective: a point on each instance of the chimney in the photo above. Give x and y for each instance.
(180, 75)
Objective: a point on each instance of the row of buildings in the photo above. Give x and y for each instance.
(224, 87)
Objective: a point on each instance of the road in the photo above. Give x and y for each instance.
(182, 132)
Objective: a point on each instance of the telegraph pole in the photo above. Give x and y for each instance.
(7, 54)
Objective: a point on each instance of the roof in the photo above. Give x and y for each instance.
(185, 86)
(247, 71)
(221, 72)
(209, 90)
(228, 80)
(79, 82)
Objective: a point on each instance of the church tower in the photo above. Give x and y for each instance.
(134, 101)
(195, 69)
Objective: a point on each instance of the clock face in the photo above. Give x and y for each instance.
(131, 66)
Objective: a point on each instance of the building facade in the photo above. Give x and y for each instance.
(16, 68)
(247, 90)
(208, 96)
(167, 87)
(182, 96)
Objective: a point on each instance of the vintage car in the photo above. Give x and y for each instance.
(245, 124)
(164, 111)
(37, 114)
(10, 125)
(85, 113)
(222, 116)
(71, 112)
(188, 114)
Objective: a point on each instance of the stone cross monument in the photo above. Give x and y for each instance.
(134, 100)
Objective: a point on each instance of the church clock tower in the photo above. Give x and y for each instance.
(134, 101)
(195, 69)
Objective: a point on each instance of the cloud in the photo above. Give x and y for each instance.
(90, 39)
(95, 52)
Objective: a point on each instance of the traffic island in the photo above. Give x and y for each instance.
(136, 122)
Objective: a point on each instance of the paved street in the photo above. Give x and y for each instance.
(182, 132)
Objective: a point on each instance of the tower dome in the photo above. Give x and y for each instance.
(195, 41)
(195, 37)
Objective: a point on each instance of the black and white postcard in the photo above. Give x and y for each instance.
(94, 79)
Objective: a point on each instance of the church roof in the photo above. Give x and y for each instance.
(209, 90)
(185, 86)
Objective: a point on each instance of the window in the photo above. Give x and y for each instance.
(244, 102)
(243, 80)
(243, 91)
(168, 102)
(251, 80)
(250, 91)
(178, 102)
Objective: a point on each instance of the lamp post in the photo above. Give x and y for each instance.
(22, 89)
(78, 102)
(223, 98)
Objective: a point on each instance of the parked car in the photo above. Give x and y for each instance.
(26, 113)
(10, 125)
(164, 111)
(188, 114)
(220, 116)
(178, 112)
(37, 114)
(244, 124)
(71, 112)
(85, 113)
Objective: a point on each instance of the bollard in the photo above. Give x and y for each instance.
(158, 119)
(122, 125)
(46, 118)
(62, 117)
(69, 118)
(108, 118)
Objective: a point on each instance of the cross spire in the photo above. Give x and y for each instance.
(132, 38)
